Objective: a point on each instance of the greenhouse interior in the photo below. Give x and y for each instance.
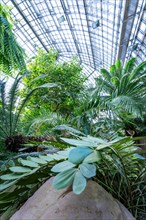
(72, 109)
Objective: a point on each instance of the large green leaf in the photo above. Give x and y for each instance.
(47, 85)
(46, 158)
(95, 140)
(93, 157)
(77, 155)
(88, 170)
(79, 183)
(29, 163)
(64, 179)
(79, 143)
(18, 169)
(10, 176)
(65, 152)
(57, 156)
(6, 185)
(38, 160)
(42, 76)
(60, 167)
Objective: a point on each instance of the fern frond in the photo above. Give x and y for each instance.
(12, 55)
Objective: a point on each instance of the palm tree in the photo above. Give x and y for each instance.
(11, 54)
(120, 93)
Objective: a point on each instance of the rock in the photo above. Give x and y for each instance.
(93, 204)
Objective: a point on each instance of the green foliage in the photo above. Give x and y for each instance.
(125, 88)
(63, 166)
(42, 122)
(79, 183)
(11, 104)
(115, 165)
(118, 98)
(11, 54)
(46, 69)
(64, 178)
(78, 154)
(20, 178)
(88, 170)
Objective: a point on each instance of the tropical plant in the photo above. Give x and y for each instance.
(11, 104)
(115, 165)
(11, 54)
(119, 96)
(65, 98)
(41, 121)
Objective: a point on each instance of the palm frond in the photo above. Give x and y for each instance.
(139, 70)
(119, 68)
(106, 74)
(130, 65)
(129, 104)
(3, 107)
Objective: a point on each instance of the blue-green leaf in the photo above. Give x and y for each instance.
(140, 157)
(3, 167)
(64, 179)
(18, 169)
(60, 167)
(10, 176)
(6, 185)
(38, 160)
(28, 163)
(95, 140)
(79, 183)
(88, 170)
(93, 157)
(11, 163)
(79, 143)
(47, 158)
(77, 155)
(57, 156)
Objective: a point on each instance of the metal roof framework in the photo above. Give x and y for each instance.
(97, 31)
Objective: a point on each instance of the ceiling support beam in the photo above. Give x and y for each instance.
(128, 19)
(91, 44)
(70, 28)
(28, 23)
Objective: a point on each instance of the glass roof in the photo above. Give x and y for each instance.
(97, 31)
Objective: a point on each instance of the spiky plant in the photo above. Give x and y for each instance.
(119, 95)
(12, 104)
(11, 54)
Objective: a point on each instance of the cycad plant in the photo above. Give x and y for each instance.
(11, 54)
(113, 164)
(120, 93)
(12, 104)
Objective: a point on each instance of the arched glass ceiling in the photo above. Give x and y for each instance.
(97, 31)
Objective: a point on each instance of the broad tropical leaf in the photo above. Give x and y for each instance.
(77, 155)
(79, 183)
(88, 170)
(64, 178)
